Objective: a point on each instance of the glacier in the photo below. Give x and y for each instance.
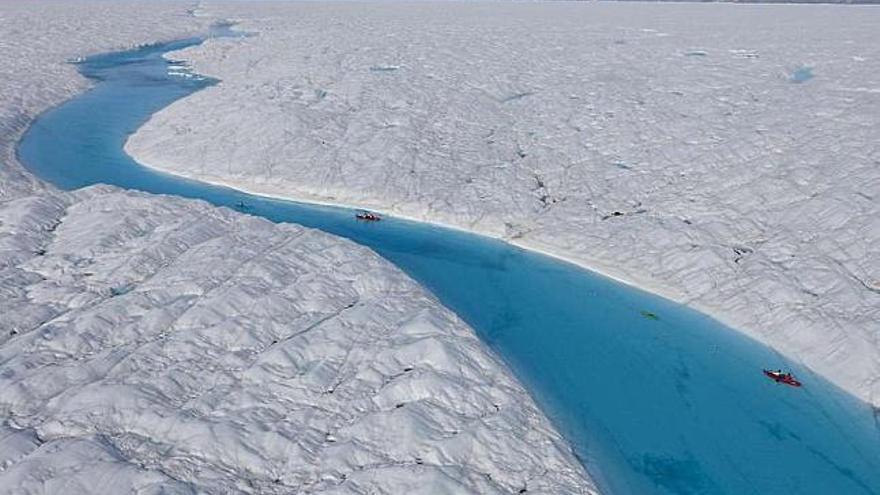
(676, 147)
(160, 345)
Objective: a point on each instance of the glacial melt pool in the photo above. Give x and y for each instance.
(672, 404)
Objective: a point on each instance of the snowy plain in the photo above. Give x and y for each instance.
(159, 345)
(722, 155)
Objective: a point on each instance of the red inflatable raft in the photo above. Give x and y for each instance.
(784, 378)
(368, 216)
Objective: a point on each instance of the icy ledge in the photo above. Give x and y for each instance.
(677, 147)
(163, 343)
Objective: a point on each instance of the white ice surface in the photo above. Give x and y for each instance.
(158, 345)
(162, 342)
(738, 189)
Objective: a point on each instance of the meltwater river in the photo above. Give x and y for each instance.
(654, 398)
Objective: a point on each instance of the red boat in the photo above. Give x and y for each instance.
(785, 378)
(368, 216)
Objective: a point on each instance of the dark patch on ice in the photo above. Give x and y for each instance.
(544, 196)
(517, 96)
(384, 68)
(613, 214)
(809, 292)
(539, 182)
(695, 53)
(121, 290)
(741, 252)
(802, 74)
(52, 226)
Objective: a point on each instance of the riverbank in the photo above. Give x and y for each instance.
(529, 245)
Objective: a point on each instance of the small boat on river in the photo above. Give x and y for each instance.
(368, 216)
(784, 378)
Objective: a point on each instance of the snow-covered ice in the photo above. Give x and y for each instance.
(165, 343)
(722, 155)
(40, 38)
(159, 345)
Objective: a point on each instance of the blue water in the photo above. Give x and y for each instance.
(672, 404)
(802, 74)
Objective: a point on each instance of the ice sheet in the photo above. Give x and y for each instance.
(679, 147)
(164, 346)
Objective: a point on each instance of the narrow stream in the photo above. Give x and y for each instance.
(654, 397)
